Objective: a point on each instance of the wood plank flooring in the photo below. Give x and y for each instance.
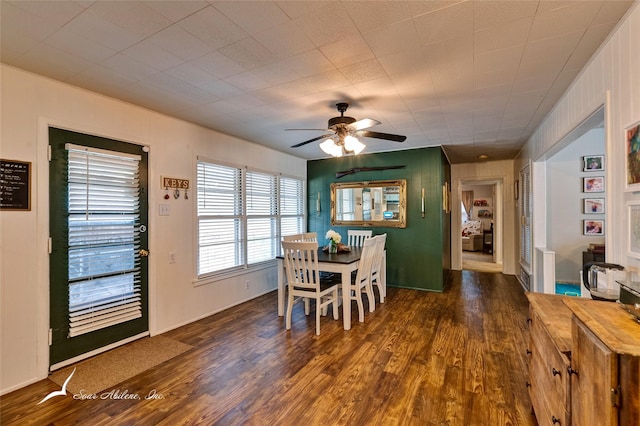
(456, 358)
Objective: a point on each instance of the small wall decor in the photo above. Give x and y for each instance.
(445, 203)
(593, 184)
(632, 149)
(633, 246)
(15, 185)
(177, 185)
(593, 163)
(593, 205)
(483, 209)
(593, 227)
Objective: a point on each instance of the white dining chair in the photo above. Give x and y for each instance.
(301, 237)
(356, 238)
(305, 236)
(376, 267)
(361, 283)
(303, 278)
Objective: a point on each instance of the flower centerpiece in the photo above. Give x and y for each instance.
(334, 238)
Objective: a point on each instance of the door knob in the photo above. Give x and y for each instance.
(143, 252)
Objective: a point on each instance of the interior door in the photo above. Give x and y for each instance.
(98, 230)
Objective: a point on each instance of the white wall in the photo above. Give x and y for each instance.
(612, 72)
(30, 104)
(499, 171)
(565, 204)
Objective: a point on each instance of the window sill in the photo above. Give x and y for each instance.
(222, 276)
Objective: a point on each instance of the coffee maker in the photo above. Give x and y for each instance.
(599, 278)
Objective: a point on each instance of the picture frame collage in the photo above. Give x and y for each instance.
(632, 184)
(594, 186)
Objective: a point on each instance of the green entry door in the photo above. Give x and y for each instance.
(98, 227)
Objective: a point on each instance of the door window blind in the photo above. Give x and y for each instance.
(104, 220)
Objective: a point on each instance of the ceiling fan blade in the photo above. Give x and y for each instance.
(328, 135)
(378, 135)
(365, 123)
(315, 130)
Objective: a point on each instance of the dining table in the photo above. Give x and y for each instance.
(343, 263)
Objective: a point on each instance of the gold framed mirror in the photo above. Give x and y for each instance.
(374, 203)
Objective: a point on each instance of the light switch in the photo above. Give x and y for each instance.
(164, 209)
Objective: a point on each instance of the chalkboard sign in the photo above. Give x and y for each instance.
(15, 182)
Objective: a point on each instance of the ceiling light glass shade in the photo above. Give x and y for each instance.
(353, 144)
(330, 147)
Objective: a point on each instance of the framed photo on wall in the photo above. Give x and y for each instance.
(593, 163)
(593, 205)
(593, 184)
(632, 151)
(593, 227)
(633, 246)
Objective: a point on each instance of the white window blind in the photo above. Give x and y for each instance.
(525, 217)
(262, 208)
(104, 218)
(220, 230)
(291, 207)
(233, 203)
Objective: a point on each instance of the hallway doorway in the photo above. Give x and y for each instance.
(480, 215)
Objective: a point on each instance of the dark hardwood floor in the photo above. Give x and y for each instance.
(456, 358)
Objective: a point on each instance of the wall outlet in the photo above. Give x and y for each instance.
(172, 257)
(246, 284)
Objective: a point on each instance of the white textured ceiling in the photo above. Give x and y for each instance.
(476, 77)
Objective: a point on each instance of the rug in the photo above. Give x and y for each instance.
(106, 370)
(473, 265)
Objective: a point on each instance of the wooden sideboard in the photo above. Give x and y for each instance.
(584, 362)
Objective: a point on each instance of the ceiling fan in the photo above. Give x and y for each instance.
(346, 130)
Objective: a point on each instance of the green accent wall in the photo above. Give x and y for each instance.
(418, 256)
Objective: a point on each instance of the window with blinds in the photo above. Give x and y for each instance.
(291, 207)
(525, 217)
(242, 215)
(220, 230)
(262, 209)
(104, 217)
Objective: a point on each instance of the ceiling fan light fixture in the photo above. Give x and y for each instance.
(329, 146)
(343, 140)
(351, 143)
